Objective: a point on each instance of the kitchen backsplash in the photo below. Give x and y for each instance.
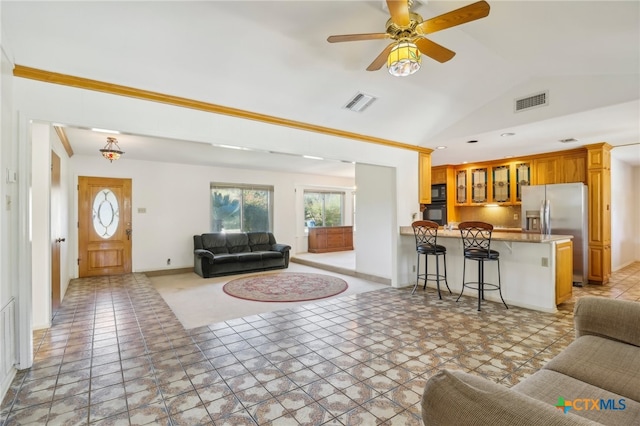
(501, 216)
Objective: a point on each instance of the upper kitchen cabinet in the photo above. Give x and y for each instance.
(501, 184)
(545, 170)
(438, 175)
(574, 168)
(462, 187)
(479, 185)
(424, 178)
(522, 178)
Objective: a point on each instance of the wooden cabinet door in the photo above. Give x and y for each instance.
(564, 271)
(424, 176)
(574, 168)
(438, 175)
(545, 170)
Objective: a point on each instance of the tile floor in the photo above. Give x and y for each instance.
(117, 355)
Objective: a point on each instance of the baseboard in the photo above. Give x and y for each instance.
(343, 271)
(162, 272)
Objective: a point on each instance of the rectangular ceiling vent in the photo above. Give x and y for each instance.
(360, 102)
(533, 101)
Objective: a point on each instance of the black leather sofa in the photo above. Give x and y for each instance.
(222, 253)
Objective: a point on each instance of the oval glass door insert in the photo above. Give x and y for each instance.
(106, 213)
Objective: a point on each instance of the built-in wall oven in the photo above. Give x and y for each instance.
(436, 212)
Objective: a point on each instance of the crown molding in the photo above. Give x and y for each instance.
(131, 92)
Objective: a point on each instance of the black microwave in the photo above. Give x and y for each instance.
(438, 193)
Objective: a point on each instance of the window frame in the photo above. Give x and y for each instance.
(242, 187)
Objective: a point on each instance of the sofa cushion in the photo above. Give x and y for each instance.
(238, 243)
(548, 385)
(249, 257)
(225, 258)
(459, 398)
(270, 254)
(215, 243)
(601, 362)
(259, 241)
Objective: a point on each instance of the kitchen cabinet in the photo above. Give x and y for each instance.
(438, 175)
(599, 198)
(424, 178)
(564, 271)
(545, 170)
(330, 238)
(574, 168)
(500, 184)
(479, 185)
(461, 187)
(523, 178)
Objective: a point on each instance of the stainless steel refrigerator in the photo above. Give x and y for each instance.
(559, 209)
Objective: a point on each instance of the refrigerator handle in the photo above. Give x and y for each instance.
(545, 217)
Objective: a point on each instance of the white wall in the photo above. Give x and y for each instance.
(625, 214)
(375, 212)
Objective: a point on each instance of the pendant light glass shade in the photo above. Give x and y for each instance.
(111, 150)
(404, 59)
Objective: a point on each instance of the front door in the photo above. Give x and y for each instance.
(104, 222)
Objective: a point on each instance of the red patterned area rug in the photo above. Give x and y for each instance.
(285, 287)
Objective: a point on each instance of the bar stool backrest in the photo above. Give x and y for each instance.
(426, 232)
(476, 235)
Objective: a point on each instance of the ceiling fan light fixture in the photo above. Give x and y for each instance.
(404, 59)
(111, 150)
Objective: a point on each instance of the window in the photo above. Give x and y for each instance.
(241, 208)
(323, 208)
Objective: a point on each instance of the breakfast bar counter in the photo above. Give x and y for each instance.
(533, 267)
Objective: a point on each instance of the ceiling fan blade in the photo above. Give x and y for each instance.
(434, 50)
(399, 10)
(381, 59)
(356, 37)
(455, 17)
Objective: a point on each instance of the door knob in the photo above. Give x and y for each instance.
(60, 240)
(128, 231)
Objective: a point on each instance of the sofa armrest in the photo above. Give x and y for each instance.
(459, 398)
(610, 318)
(203, 253)
(281, 247)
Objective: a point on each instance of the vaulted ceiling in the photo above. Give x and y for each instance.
(272, 57)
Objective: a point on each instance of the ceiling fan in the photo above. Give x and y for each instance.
(408, 30)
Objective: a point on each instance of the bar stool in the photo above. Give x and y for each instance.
(426, 233)
(476, 242)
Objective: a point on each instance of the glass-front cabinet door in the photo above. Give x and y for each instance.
(523, 178)
(501, 184)
(479, 185)
(461, 187)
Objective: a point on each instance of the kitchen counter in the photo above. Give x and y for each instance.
(529, 266)
(498, 235)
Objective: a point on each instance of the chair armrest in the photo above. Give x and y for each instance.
(610, 318)
(459, 398)
(203, 253)
(281, 247)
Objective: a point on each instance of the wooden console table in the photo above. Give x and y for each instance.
(332, 238)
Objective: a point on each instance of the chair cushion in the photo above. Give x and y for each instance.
(270, 254)
(477, 253)
(431, 249)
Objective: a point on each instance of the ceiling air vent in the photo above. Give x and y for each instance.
(360, 102)
(533, 101)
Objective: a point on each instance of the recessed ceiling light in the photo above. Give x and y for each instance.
(506, 134)
(568, 140)
(441, 147)
(313, 157)
(472, 141)
(115, 132)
